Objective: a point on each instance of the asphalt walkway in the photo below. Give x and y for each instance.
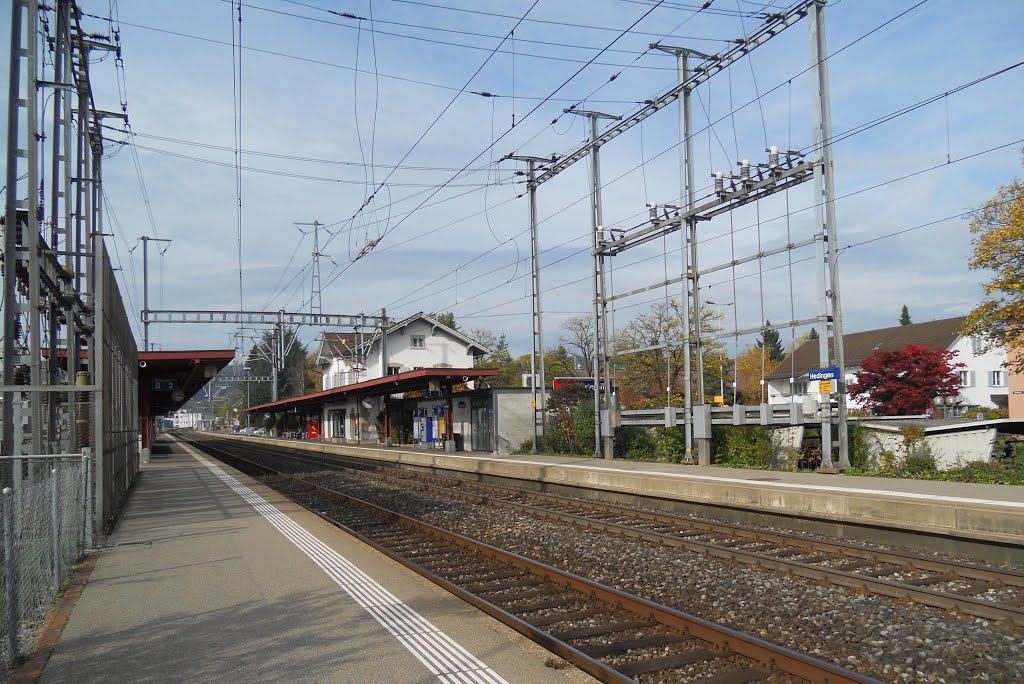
(210, 576)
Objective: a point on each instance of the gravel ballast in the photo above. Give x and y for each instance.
(883, 638)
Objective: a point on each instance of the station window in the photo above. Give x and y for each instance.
(418, 342)
(799, 388)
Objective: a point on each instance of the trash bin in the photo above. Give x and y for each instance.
(459, 445)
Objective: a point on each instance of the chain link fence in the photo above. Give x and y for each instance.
(43, 523)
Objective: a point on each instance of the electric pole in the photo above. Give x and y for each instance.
(602, 415)
(538, 329)
(688, 248)
(825, 220)
(145, 285)
(315, 296)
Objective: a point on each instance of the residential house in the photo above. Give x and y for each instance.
(983, 377)
(416, 342)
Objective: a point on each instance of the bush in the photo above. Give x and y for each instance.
(583, 428)
(671, 444)
(860, 450)
(635, 443)
(746, 446)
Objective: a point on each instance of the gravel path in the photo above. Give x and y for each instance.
(890, 640)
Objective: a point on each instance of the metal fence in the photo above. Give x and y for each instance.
(44, 520)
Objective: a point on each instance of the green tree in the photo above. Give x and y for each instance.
(510, 369)
(998, 230)
(568, 409)
(645, 377)
(292, 381)
(558, 363)
(445, 318)
(771, 343)
(905, 316)
(752, 366)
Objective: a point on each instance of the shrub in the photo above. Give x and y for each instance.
(583, 428)
(671, 444)
(635, 443)
(744, 446)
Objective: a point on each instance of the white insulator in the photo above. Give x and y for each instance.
(719, 182)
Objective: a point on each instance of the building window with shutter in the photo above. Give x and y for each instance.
(966, 378)
(995, 379)
(976, 345)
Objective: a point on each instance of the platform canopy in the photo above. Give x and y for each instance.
(409, 381)
(168, 379)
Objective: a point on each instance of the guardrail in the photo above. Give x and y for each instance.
(762, 414)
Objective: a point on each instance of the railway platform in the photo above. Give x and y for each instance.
(209, 576)
(951, 517)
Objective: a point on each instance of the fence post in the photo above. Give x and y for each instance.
(55, 517)
(10, 576)
(87, 498)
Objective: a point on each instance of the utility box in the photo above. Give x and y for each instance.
(702, 421)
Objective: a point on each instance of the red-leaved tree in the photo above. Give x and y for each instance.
(905, 382)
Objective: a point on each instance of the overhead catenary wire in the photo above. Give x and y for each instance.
(450, 43)
(482, 152)
(586, 250)
(856, 130)
(299, 176)
(334, 65)
(444, 111)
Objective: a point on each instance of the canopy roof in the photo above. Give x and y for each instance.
(391, 384)
(168, 379)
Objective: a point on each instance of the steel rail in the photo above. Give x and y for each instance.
(768, 654)
(946, 570)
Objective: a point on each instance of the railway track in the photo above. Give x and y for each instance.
(610, 634)
(972, 589)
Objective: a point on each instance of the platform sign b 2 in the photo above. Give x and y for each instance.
(824, 387)
(823, 374)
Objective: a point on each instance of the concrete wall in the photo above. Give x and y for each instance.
(513, 413)
(950, 448)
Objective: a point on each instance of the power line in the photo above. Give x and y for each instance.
(438, 118)
(290, 174)
(705, 240)
(369, 247)
(449, 43)
(710, 125)
(280, 155)
(495, 141)
(334, 65)
(476, 34)
(655, 4)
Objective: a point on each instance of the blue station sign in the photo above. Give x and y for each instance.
(823, 374)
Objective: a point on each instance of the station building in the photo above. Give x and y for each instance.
(417, 385)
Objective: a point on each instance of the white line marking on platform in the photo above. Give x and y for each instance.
(778, 485)
(442, 655)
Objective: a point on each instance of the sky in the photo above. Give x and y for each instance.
(367, 117)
